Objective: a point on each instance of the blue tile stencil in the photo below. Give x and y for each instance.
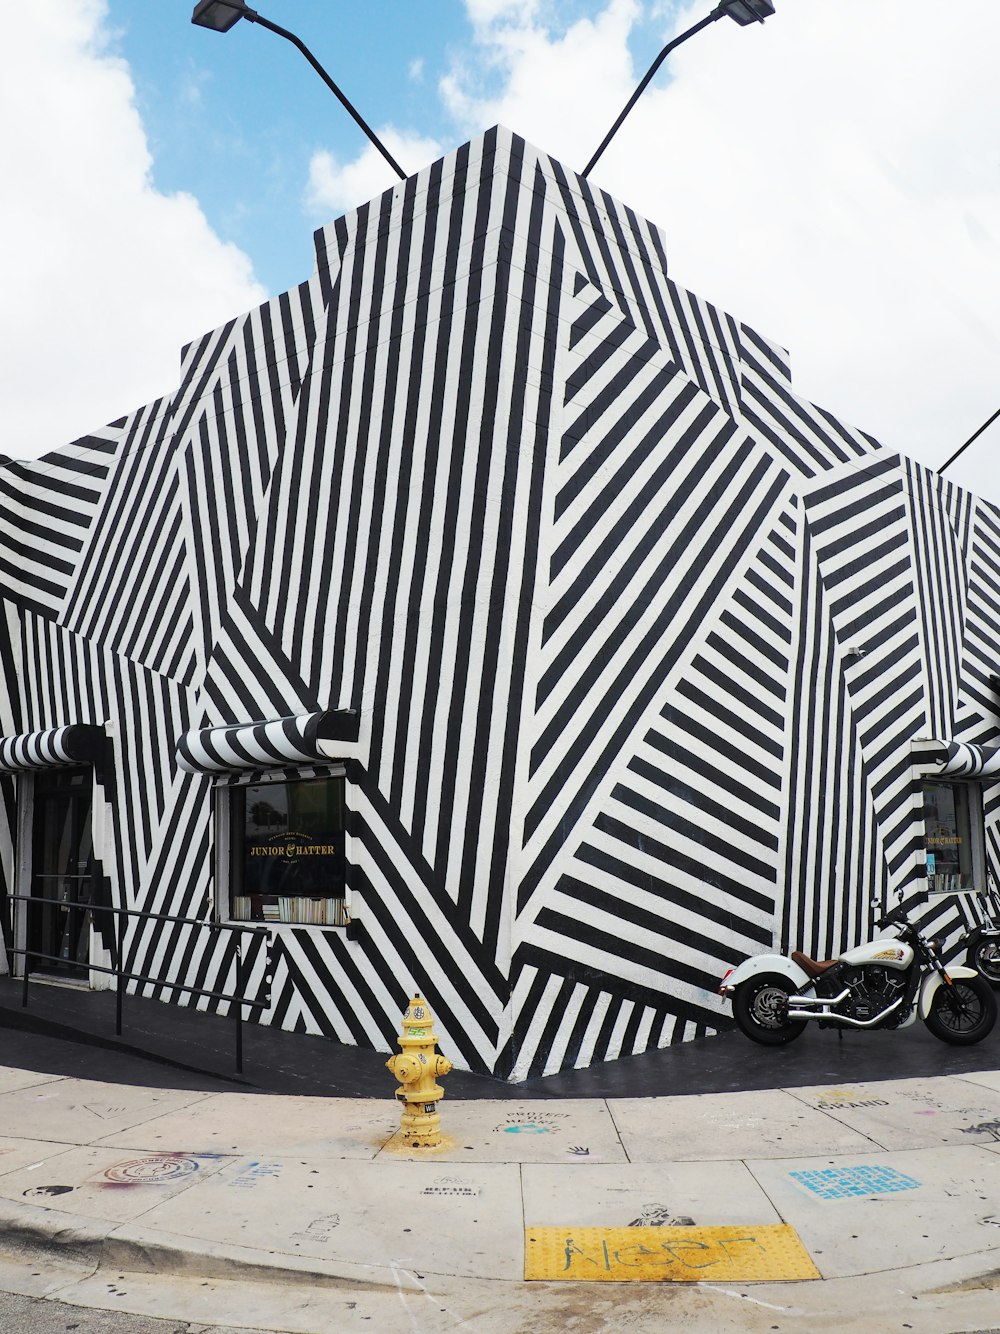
(839, 1183)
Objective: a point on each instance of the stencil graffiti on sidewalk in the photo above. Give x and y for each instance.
(536, 1123)
(841, 1104)
(660, 1215)
(154, 1169)
(923, 1096)
(687, 1255)
(840, 1096)
(40, 1192)
(454, 1186)
(254, 1173)
(319, 1229)
(841, 1183)
(835, 1100)
(991, 1128)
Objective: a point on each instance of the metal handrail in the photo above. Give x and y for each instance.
(238, 1000)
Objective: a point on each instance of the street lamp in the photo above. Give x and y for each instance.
(221, 15)
(216, 14)
(749, 11)
(742, 12)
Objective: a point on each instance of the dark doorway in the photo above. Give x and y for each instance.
(62, 871)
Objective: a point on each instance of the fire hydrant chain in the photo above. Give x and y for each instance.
(417, 1067)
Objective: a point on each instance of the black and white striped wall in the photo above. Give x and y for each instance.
(636, 640)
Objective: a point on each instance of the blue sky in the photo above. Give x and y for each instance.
(236, 118)
(831, 177)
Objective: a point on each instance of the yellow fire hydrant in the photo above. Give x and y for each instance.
(416, 1067)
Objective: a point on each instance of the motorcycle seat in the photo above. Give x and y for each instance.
(813, 967)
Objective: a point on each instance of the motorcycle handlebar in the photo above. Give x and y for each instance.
(899, 913)
(894, 915)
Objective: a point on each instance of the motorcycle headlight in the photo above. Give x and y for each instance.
(936, 945)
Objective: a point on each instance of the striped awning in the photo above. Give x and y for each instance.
(79, 743)
(281, 743)
(965, 759)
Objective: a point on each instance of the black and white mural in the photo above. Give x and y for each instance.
(620, 645)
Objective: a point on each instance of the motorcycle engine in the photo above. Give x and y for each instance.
(873, 990)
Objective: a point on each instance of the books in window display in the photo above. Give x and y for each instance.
(293, 910)
(312, 912)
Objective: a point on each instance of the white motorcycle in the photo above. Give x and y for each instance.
(883, 984)
(983, 942)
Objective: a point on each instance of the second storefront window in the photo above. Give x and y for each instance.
(952, 837)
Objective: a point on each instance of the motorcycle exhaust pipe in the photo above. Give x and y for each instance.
(843, 1019)
(822, 1000)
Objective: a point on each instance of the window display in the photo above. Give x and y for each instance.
(287, 853)
(948, 837)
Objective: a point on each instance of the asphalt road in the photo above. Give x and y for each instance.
(32, 1315)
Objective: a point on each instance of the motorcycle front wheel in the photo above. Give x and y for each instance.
(984, 957)
(963, 1013)
(760, 1008)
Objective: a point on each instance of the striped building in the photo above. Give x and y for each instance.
(487, 616)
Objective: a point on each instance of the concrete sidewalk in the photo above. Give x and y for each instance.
(307, 1214)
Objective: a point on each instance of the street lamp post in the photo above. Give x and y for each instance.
(221, 15)
(741, 11)
(975, 436)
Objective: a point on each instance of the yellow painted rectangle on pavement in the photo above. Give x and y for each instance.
(771, 1252)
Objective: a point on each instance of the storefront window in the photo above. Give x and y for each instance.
(287, 860)
(949, 836)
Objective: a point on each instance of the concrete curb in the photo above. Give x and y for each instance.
(125, 1246)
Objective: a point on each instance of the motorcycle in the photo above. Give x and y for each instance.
(883, 984)
(983, 942)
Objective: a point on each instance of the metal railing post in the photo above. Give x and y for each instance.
(120, 980)
(27, 954)
(240, 992)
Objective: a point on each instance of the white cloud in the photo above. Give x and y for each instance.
(554, 83)
(483, 13)
(190, 91)
(831, 177)
(83, 343)
(335, 187)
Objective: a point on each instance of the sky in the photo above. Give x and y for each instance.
(830, 177)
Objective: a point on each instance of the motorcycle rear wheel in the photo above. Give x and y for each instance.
(984, 957)
(760, 1008)
(963, 1013)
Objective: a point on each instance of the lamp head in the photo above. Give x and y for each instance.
(748, 11)
(218, 15)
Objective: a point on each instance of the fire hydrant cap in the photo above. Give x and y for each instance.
(405, 1067)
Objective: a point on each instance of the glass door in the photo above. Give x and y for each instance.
(62, 867)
